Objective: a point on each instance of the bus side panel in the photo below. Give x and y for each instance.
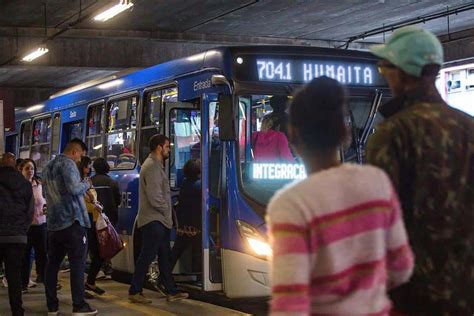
(128, 185)
(244, 275)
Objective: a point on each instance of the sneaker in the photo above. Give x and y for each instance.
(94, 288)
(100, 275)
(138, 299)
(31, 283)
(84, 310)
(53, 311)
(160, 287)
(24, 290)
(5, 282)
(176, 297)
(65, 270)
(58, 286)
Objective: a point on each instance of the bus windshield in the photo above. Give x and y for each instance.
(267, 161)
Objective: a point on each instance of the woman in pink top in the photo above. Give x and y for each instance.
(270, 145)
(338, 238)
(37, 233)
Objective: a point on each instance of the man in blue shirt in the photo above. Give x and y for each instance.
(67, 223)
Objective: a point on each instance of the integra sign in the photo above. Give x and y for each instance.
(277, 171)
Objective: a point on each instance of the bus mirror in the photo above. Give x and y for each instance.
(226, 120)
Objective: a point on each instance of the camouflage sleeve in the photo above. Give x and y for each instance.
(383, 150)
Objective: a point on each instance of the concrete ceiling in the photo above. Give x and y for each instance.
(155, 31)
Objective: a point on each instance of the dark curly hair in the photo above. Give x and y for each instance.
(192, 168)
(22, 164)
(85, 161)
(317, 114)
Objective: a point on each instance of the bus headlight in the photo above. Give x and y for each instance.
(256, 242)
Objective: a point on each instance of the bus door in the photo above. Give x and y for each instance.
(211, 175)
(183, 127)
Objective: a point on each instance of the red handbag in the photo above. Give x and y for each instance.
(109, 240)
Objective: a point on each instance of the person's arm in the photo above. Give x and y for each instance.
(399, 256)
(72, 179)
(154, 189)
(29, 202)
(284, 149)
(291, 267)
(384, 150)
(116, 193)
(40, 190)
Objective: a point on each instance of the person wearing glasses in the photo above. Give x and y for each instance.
(427, 148)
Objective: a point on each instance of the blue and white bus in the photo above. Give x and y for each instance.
(209, 105)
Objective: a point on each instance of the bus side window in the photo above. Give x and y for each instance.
(150, 121)
(11, 143)
(215, 161)
(55, 135)
(121, 133)
(25, 139)
(94, 131)
(151, 116)
(41, 141)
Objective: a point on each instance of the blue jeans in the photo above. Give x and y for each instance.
(155, 241)
(73, 242)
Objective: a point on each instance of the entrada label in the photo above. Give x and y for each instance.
(200, 85)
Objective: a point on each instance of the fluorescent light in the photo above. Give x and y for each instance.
(113, 11)
(98, 147)
(40, 51)
(35, 107)
(110, 84)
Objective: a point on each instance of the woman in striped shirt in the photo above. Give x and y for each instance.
(338, 238)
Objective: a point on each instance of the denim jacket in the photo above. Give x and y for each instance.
(64, 192)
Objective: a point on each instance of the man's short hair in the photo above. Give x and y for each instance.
(157, 140)
(76, 143)
(101, 166)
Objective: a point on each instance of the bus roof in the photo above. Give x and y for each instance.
(216, 58)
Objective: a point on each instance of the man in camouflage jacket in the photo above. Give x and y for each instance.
(427, 148)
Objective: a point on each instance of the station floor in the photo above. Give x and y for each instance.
(113, 302)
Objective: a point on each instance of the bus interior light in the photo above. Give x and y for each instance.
(256, 242)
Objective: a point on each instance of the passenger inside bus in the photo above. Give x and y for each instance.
(269, 144)
(279, 115)
(189, 216)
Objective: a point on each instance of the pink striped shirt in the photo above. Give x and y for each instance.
(338, 243)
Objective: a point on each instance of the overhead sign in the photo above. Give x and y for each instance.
(297, 69)
(287, 70)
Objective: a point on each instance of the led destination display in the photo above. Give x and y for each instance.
(302, 71)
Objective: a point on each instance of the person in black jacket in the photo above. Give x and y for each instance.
(16, 213)
(189, 215)
(107, 189)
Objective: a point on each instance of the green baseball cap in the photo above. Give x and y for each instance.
(410, 48)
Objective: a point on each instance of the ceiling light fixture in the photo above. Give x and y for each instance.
(40, 51)
(113, 11)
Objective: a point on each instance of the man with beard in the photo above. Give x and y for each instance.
(155, 220)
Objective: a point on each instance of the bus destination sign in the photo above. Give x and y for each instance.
(303, 71)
